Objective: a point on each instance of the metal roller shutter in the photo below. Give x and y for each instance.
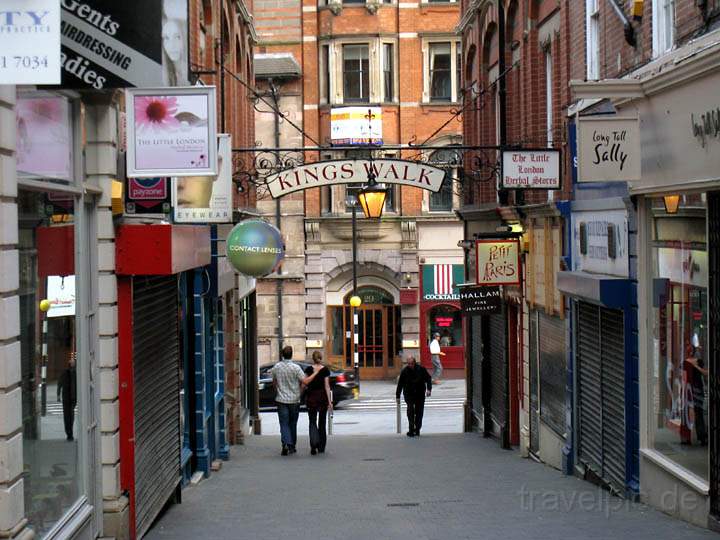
(534, 386)
(498, 369)
(552, 371)
(477, 365)
(601, 392)
(156, 363)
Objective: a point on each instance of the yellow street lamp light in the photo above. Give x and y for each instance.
(672, 203)
(372, 198)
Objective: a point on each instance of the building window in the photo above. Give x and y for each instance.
(592, 27)
(388, 71)
(663, 26)
(356, 79)
(447, 321)
(679, 355)
(440, 72)
(325, 73)
(353, 1)
(442, 201)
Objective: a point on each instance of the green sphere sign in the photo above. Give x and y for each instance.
(255, 248)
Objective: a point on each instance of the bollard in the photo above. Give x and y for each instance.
(398, 416)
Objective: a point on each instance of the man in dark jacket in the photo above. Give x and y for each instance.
(67, 391)
(415, 384)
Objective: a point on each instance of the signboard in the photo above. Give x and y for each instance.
(594, 233)
(171, 132)
(480, 300)
(498, 262)
(147, 196)
(206, 199)
(608, 149)
(61, 295)
(110, 44)
(356, 125)
(439, 281)
(44, 141)
(531, 169)
(255, 248)
(387, 171)
(30, 42)
(684, 266)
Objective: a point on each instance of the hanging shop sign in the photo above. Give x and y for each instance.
(531, 169)
(147, 196)
(255, 248)
(206, 199)
(171, 132)
(356, 125)
(30, 42)
(497, 262)
(608, 149)
(44, 141)
(440, 281)
(110, 44)
(61, 296)
(480, 300)
(387, 171)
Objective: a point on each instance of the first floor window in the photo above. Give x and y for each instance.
(663, 26)
(388, 72)
(440, 72)
(356, 80)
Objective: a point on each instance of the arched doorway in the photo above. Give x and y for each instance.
(379, 335)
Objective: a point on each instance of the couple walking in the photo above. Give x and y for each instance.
(289, 381)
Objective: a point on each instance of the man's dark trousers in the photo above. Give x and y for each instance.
(68, 417)
(415, 409)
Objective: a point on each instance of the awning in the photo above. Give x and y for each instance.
(609, 291)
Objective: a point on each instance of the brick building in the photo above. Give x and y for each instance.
(402, 59)
(604, 295)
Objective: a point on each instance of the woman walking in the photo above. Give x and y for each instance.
(319, 401)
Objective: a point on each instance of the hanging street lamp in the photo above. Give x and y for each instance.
(372, 197)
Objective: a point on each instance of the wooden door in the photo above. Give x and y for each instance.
(372, 342)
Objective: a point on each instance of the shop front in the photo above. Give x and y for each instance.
(440, 313)
(54, 262)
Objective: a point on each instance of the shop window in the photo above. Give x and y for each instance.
(679, 349)
(48, 350)
(447, 321)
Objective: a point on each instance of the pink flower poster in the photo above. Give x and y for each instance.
(44, 137)
(171, 132)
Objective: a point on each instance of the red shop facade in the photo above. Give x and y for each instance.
(440, 312)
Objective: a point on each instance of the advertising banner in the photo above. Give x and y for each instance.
(44, 136)
(171, 132)
(480, 300)
(439, 281)
(110, 44)
(608, 149)
(498, 262)
(531, 169)
(356, 125)
(147, 196)
(387, 171)
(206, 199)
(30, 42)
(61, 295)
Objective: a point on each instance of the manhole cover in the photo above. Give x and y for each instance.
(403, 504)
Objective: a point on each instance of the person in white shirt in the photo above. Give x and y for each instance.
(435, 354)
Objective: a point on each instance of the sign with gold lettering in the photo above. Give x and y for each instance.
(498, 262)
(387, 171)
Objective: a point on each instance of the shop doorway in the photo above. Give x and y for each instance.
(379, 335)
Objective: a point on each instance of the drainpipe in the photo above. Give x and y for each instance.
(278, 215)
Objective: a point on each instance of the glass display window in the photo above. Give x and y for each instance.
(680, 314)
(447, 321)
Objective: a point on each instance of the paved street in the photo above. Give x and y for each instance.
(375, 412)
(440, 487)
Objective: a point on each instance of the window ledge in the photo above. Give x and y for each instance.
(689, 478)
(440, 103)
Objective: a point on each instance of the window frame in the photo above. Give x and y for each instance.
(392, 98)
(592, 42)
(368, 72)
(455, 48)
(663, 26)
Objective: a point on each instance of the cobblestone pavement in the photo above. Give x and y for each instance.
(439, 487)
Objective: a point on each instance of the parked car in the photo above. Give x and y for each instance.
(342, 384)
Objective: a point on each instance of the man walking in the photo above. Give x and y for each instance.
(287, 379)
(415, 384)
(435, 354)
